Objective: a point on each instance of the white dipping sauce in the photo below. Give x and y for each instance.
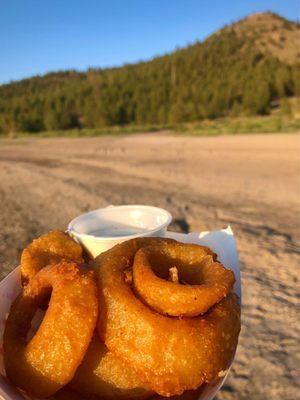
(101, 229)
(117, 231)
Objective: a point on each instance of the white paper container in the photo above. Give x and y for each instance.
(222, 242)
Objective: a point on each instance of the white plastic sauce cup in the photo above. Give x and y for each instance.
(101, 229)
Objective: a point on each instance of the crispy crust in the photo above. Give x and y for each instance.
(48, 249)
(206, 281)
(187, 395)
(49, 360)
(170, 354)
(105, 375)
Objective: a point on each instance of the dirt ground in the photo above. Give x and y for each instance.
(250, 182)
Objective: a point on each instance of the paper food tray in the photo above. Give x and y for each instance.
(221, 242)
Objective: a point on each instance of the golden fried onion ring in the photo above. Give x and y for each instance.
(104, 375)
(48, 249)
(187, 395)
(205, 281)
(169, 354)
(49, 360)
(67, 394)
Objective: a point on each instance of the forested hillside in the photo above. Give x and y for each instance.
(240, 70)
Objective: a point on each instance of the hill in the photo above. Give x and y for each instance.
(242, 69)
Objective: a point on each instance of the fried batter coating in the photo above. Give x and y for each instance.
(48, 249)
(170, 355)
(203, 282)
(47, 362)
(104, 375)
(187, 395)
(67, 394)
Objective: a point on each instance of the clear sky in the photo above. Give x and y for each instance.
(38, 36)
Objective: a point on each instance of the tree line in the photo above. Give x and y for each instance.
(223, 76)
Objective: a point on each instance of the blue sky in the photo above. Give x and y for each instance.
(38, 36)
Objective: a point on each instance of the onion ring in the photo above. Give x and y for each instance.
(206, 281)
(170, 354)
(67, 394)
(49, 360)
(48, 249)
(187, 395)
(104, 375)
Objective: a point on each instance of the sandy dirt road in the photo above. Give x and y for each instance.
(249, 182)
